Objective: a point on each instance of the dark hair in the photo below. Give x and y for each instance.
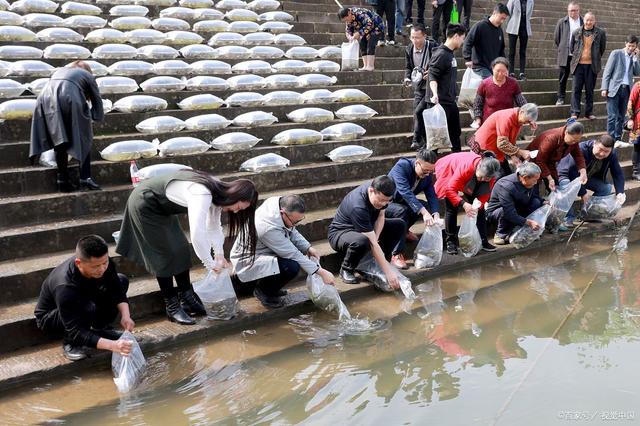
(81, 64)
(419, 27)
(574, 128)
(606, 140)
(241, 224)
(343, 13)
(292, 203)
(91, 246)
(501, 9)
(631, 38)
(500, 60)
(456, 29)
(427, 155)
(385, 185)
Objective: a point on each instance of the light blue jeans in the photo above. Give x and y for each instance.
(401, 8)
(599, 188)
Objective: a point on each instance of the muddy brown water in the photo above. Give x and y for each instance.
(547, 337)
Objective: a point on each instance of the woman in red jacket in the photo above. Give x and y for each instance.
(474, 176)
(633, 112)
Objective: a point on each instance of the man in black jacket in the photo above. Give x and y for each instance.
(442, 88)
(562, 39)
(81, 298)
(513, 198)
(485, 41)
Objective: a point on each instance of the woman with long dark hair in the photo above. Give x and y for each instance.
(151, 234)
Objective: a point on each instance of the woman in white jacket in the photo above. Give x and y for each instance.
(519, 27)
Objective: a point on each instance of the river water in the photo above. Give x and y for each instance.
(547, 337)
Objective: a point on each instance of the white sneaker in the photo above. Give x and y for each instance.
(391, 42)
(380, 43)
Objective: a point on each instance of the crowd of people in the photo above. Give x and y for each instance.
(83, 295)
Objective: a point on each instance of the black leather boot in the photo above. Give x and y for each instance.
(175, 313)
(191, 303)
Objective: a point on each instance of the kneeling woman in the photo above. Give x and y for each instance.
(151, 234)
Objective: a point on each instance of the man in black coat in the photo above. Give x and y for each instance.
(562, 39)
(485, 41)
(81, 298)
(62, 121)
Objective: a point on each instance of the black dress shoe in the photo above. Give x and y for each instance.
(89, 185)
(175, 313)
(65, 186)
(73, 353)
(452, 248)
(191, 303)
(267, 300)
(348, 277)
(108, 333)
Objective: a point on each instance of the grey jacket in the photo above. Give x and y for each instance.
(561, 39)
(513, 25)
(597, 48)
(274, 240)
(615, 69)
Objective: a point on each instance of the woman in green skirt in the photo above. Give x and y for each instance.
(151, 234)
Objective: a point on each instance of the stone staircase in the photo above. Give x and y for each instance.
(39, 227)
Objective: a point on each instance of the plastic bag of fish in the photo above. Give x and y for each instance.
(525, 235)
(310, 115)
(217, 295)
(372, 272)
(159, 170)
(140, 103)
(182, 145)
(265, 163)
(349, 153)
(255, 119)
(561, 201)
(161, 124)
(297, 137)
(235, 141)
(127, 370)
(343, 132)
(469, 240)
(129, 150)
(326, 297)
(428, 252)
(207, 122)
(601, 207)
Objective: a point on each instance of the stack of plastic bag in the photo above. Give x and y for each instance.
(128, 369)
(326, 297)
(561, 201)
(601, 207)
(526, 235)
(435, 123)
(372, 272)
(469, 239)
(428, 253)
(217, 295)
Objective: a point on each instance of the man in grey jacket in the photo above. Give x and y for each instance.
(617, 80)
(562, 39)
(281, 251)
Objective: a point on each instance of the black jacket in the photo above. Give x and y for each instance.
(512, 196)
(598, 47)
(409, 63)
(483, 44)
(443, 69)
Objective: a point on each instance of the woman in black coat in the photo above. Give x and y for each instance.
(62, 121)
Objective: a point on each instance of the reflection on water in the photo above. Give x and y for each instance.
(517, 342)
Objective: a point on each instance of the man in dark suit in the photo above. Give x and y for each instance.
(417, 55)
(412, 177)
(562, 39)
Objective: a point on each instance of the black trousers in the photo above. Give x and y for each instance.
(451, 222)
(354, 245)
(635, 158)
(96, 314)
(388, 8)
(441, 12)
(583, 78)
(404, 212)
(368, 47)
(453, 123)
(272, 284)
(467, 5)
(563, 77)
(513, 39)
(62, 159)
(418, 97)
(420, 17)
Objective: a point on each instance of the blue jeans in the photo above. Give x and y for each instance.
(401, 10)
(599, 188)
(616, 108)
(482, 71)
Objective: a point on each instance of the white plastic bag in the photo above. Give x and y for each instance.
(253, 66)
(601, 207)
(276, 16)
(350, 95)
(301, 52)
(31, 68)
(144, 36)
(196, 4)
(206, 83)
(161, 124)
(246, 82)
(198, 51)
(17, 109)
(525, 235)
(211, 26)
(132, 67)
(291, 66)
(233, 52)
(263, 5)
(324, 66)
(128, 369)
(170, 24)
(85, 21)
(129, 150)
(231, 4)
(289, 40)
(260, 39)
(10, 18)
(265, 163)
(355, 112)
(330, 52)
(11, 88)
(5, 68)
(428, 252)
(157, 51)
(59, 35)
(125, 23)
(308, 80)
(349, 153)
(107, 106)
(15, 33)
(210, 66)
(206, 13)
(114, 51)
(31, 6)
(76, 8)
(435, 123)
(372, 272)
(37, 86)
(48, 159)
(172, 67)
(561, 201)
(350, 56)
(97, 69)
(283, 97)
(281, 81)
(297, 137)
(111, 85)
(66, 51)
(276, 27)
(178, 12)
(182, 145)
(326, 297)
(244, 27)
(469, 239)
(106, 35)
(226, 39)
(183, 38)
(159, 170)
(236, 141)
(126, 10)
(343, 132)
(207, 122)
(255, 119)
(140, 103)
(318, 96)
(245, 99)
(42, 20)
(204, 101)
(20, 52)
(470, 83)
(310, 115)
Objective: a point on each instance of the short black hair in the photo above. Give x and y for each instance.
(606, 140)
(385, 185)
(419, 27)
(91, 246)
(427, 155)
(343, 13)
(456, 29)
(292, 203)
(631, 38)
(501, 9)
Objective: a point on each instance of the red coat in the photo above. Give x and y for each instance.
(454, 174)
(551, 149)
(633, 110)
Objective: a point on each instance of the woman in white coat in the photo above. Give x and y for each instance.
(519, 27)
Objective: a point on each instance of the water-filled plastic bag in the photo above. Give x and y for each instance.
(42, 20)
(281, 81)
(144, 36)
(260, 39)
(130, 23)
(217, 295)
(59, 35)
(204, 101)
(85, 21)
(127, 10)
(241, 15)
(207, 122)
(37, 86)
(297, 137)
(15, 33)
(114, 51)
(210, 66)
(170, 24)
(276, 27)
(233, 52)
(324, 66)
(105, 35)
(20, 52)
(263, 5)
(326, 297)
(428, 252)
(265, 163)
(183, 38)
(289, 40)
(131, 68)
(246, 82)
(355, 112)
(17, 109)
(161, 124)
(31, 68)
(244, 27)
(129, 150)
(349, 153)
(350, 55)
(76, 8)
(525, 235)
(127, 370)
(207, 14)
(308, 80)
(182, 145)
(231, 4)
(140, 103)
(162, 84)
(172, 67)
(178, 12)
(255, 119)
(469, 240)
(206, 83)
(10, 18)
(157, 51)
(111, 85)
(283, 97)
(198, 51)
(33, 6)
(196, 4)
(276, 16)
(245, 99)
(253, 66)
(435, 123)
(291, 66)
(351, 95)
(301, 52)
(211, 26)
(66, 51)
(318, 96)
(601, 207)
(343, 132)
(310, 115)
(226, 39)
(236, 141)
(330, 52)
(10, 88)
(160, 170)
(373, 273)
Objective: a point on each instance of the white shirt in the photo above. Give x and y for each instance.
(205, 228)
(574, 24)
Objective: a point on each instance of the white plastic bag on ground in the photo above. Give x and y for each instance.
(206, 83)
(170, 24)
(106, 35)
(276, 16)
(310, 115)
(318, 96)
(291, 66)
(76, 8)
(10, 18)
(48, 159)
(128, 369)
(428, 252)
(253, 66)
(469, 240)
(281, 81)
(107, 106)
(157, 51)
(245, 99)
(355, 112)
(114, 51)
(308, 80)
(161, 124)
(324, 66)
(207, 122)
(59, 35)
(470, 83)
(10, 88)
(159, 170)
(301, 52)
(17, 109)
(31, 6)
(276, 27)
(207, 13)
(231, 4)
(37, 86)
(297, 137)
(211, 26)
(31, 68)
(177, 12)
(326, 297)
(260, 39)
(246, 82)
(349, 153)
(196, 4)
(15, 33)
(525, 235)
(289, 40)
(126, 10)
(172, 67)
(236, 141)
(182, 38)
(210, 66)
(244, 27)
(265, 163)
(66, 51)
(435, 123)
(198, 51)
(132, 67)
(255, 119)
(144, 36)
(126, 23)
(226, 39)
(5, 68)
(233, 52)
(182, 145)
(204, 101)
(97, 69)
(140, 103)
(263, 5)
(351, 95)
(372, 272)
(129, 150)
(42, 20)
(561, 201)
(350, 56)
(266, 52)
(601, 207)
(283, 97)
(330, 52)
(85, 21)
(111, 85)
(343, 132)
